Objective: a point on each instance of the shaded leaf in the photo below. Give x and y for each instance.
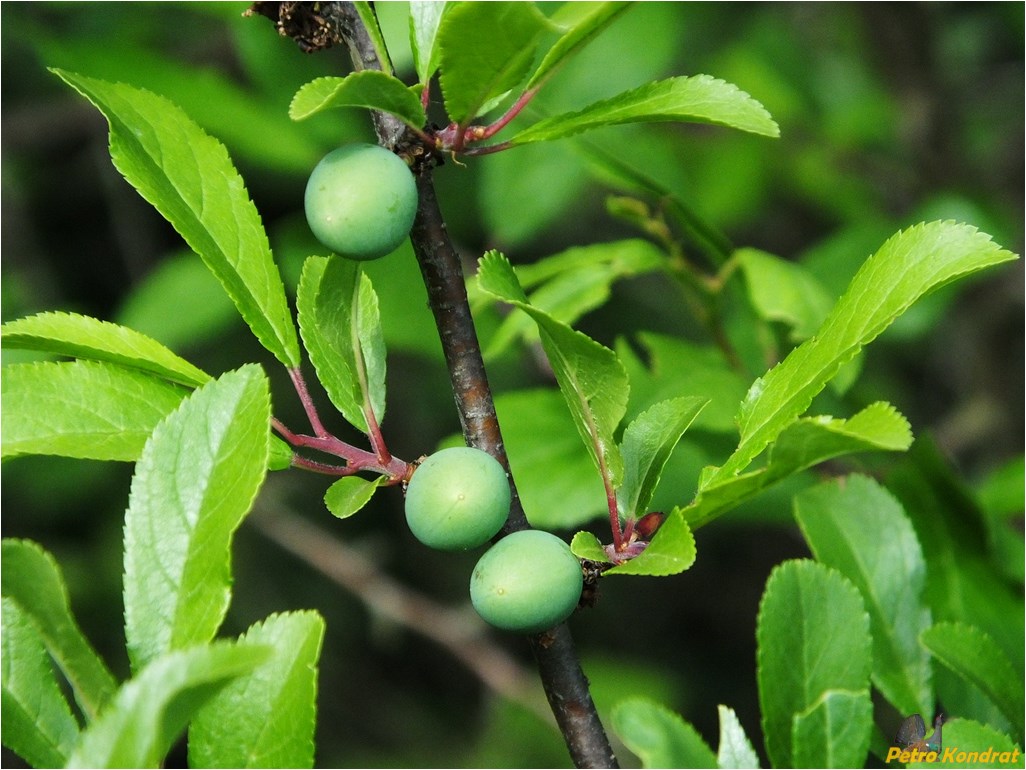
(658, 736)
(857, 527)
(834, 731)
(265, 718)
(784, 291)
(676, 366)
(150, 711)
(556, 478)
(189, 178)
(32, 578)
(697, 99)
(197, 478)
(82, 409)
(973, 655)
(371, 89)
(813, 638)
(79, 336)
(963, 738)
(38, 724)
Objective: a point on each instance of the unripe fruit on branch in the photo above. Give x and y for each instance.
(458, 498)
(527, 582)
(360, 201)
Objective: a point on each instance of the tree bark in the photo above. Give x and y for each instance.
(565, 684)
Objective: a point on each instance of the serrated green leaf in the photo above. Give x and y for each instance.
(574, 282)
(735, 750)
(804, 443)
(37, 722)
(965, 744)
(646, 446)
(79, 336)
(591, 379)
(975, 657)
(150, 711)
(910, 264)
(659, 736)
(963, 585)
(834, 731)
(341, 327)
(813, 637)
(197, 478)
(81, 409)
(555, 475)
(31, 577)
(188, 177)
(279, 456)
(784, 291)
(371, 89)
(671, 551)
(349, 494)
(425, 16)
(485, 49)
(266, 718)
(696, 99)
(857, 527)
(589, 20)
(586, 546)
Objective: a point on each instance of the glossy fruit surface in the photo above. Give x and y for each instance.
(527, 582)
(360, 201)
(458, 498)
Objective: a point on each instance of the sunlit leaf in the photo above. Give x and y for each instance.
(485, 49)
(697, 99)
(79, 336)
(83, 409)
(188, 177)
(150, 711)
(371, 89)
(197, 478)
(266, 718)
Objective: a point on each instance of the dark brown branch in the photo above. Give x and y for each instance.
(565, 684)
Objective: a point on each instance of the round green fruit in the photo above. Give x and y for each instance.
(527, 582)
(458, 498)
(360, 201)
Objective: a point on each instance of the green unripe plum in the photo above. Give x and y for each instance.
(360, 201)
(527, 582)
(458, 498)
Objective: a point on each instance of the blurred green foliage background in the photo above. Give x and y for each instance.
(890, 114)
